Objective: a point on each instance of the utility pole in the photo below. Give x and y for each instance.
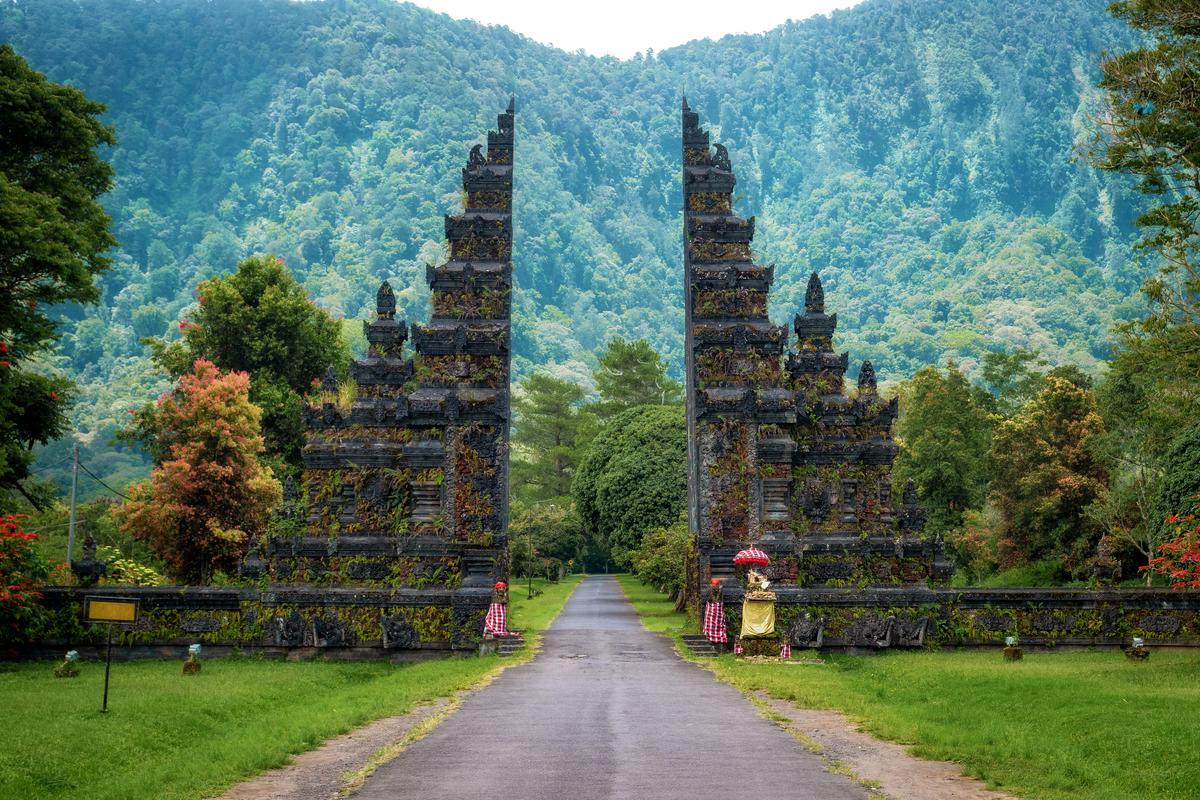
(74, 486)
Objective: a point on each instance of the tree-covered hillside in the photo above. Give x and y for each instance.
(919, 153)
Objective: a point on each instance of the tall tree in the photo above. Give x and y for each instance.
(259, 320)
(945, 434)
(630, 374)
(53, 234)
(1013, 377)
(1044, 475)
(1132, 446)
(1151, 131)
(546, 437)
(209, 493)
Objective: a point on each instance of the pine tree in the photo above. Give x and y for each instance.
(546, 437)
(632, 374)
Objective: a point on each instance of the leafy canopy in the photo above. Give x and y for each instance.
(53, 235)
(1179, 489)
(556, 534)
(259, 320)
(209, 493)
(633, 478)
(946, 435)
(1044, 474)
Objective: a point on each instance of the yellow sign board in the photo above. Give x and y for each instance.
(110, 609)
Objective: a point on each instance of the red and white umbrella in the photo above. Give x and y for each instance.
(752, 556)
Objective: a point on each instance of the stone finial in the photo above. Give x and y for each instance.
(329, 383)
(720, 158)
(910, 493)
(814, 297)
(476, 156)
(866, 379)
(685, 105)
(385, 301)
(512, 104)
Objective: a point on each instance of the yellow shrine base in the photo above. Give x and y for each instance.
(758, 617)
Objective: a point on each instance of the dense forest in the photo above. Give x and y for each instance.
(922, 154)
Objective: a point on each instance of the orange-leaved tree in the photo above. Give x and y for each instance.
(208, 492)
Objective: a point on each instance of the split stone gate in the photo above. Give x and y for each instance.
(394, 537)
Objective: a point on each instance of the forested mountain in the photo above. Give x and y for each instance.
(919, 153)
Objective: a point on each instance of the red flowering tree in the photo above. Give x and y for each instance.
(1180, 556)
(21, 568)
(209, 492)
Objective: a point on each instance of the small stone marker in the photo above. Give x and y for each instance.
(192, 665)
(1012, 651)
(68, 668)
(1137, 650)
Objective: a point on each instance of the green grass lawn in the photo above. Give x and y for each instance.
(170, 736)
(1086, 724)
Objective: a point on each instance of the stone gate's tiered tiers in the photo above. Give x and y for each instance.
(405, 485)
(779, 455)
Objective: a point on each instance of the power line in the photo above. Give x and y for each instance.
(45, 528)
(50, 466)
(102, 483)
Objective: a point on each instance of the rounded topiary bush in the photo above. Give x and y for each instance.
(633, 477)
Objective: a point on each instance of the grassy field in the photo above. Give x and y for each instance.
(170, 736)
(1056, 725)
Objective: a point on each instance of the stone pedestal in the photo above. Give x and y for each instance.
(759, 645)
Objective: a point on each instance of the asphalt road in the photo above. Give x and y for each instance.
(606, 710)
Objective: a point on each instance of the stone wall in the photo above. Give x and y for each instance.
(337, 622)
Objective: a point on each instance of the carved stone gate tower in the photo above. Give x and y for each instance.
(778, 454)
(404, 497)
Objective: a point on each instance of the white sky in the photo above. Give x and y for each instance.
(625, 27)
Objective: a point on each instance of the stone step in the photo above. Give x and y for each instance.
(699, 645)
(509, 645)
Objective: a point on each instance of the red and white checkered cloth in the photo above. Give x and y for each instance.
(496, 621)
(753, 556)
(738, 649)
(714, 623)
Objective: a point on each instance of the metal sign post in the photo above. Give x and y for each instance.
(111, 611)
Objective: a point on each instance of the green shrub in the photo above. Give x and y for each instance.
(661, 559)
